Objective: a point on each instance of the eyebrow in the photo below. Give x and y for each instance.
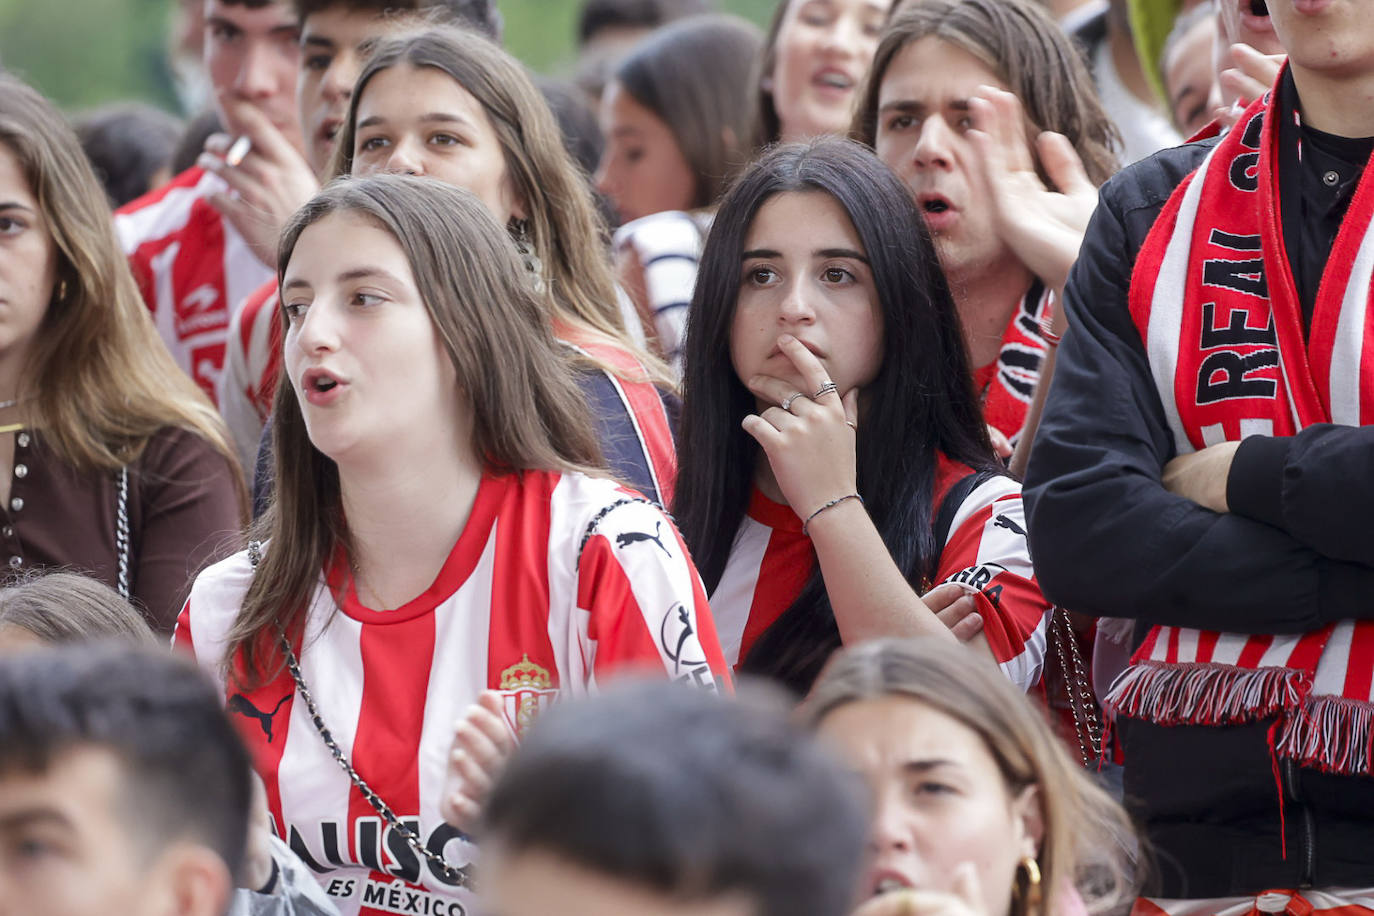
(755, 254)
(926, 765)
(16, 205)
(27, 816)
(433, 117)
(1184, 92)
(318, 41)
(911, 106)
(357, 273)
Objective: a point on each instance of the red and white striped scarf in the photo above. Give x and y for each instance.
(1216, 305)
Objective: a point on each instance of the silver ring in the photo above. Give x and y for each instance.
(787, 401)
(827, 388)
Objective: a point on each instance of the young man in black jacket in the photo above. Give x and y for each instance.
(1221, 295)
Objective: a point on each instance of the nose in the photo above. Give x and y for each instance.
(842, 37)
(795, 307)
(318, 332)
(257, 78)
(604, 177)
(338, 83)
(890, 830)
(933, 148)
(405, 159)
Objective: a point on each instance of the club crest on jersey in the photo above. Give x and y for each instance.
(527, 690)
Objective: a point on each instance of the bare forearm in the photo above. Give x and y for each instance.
(868, 594)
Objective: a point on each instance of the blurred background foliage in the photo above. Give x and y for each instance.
(83, 53)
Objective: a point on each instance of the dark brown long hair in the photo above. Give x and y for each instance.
(528, 412)
(690, 75)
(1018, 41)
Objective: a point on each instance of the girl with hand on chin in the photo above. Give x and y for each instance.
(977, 809)
(441, 534)
(839, 469)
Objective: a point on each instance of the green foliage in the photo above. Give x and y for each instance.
(83, 53)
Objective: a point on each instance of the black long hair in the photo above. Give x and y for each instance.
(920, 405)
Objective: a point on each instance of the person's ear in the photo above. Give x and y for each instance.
(1030, 817)
(728, 137)
(193, 880)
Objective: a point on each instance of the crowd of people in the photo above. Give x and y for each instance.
(912, 460)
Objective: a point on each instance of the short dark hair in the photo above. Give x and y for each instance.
(481, 16)
(186, 773)
(127, 144)
(690, 75)
(688, 795)
(646, 14)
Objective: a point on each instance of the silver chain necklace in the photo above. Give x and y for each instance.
(459, 876)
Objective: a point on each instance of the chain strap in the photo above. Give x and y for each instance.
(458, 876)
(122, 532)
(1082, 703)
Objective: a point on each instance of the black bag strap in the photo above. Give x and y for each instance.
(954, 498)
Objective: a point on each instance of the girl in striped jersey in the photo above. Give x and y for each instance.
(437, 533)
(839, 466)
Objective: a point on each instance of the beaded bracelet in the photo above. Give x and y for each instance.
(830, 505)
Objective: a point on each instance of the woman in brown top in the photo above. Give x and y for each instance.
(111, 460)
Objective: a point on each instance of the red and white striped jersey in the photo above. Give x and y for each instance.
(986, 550)
(1277, 902)
(192, 267)
(517, 608)
(252, 364)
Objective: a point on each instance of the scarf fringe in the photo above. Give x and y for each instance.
(1205, 694)
(1328, 733)
(1331, 734)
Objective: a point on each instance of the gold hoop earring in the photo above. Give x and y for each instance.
(61, 290)
(1025, 889)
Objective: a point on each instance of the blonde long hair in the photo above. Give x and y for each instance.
(565, 230)
(102, 380)
(1089, 843)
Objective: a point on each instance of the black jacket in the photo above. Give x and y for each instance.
(1295, 553)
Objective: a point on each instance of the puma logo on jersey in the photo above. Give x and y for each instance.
(243, 706)
(626, 538)
(1004, 522)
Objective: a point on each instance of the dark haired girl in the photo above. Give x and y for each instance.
(838, 465)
